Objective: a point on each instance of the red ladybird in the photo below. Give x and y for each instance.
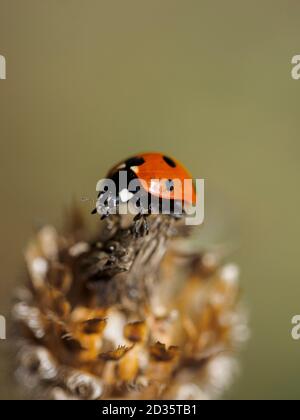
(150, 167)
(158, 175)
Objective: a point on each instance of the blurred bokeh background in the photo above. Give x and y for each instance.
(91, 82)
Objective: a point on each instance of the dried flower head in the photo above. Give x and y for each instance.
(120, 316)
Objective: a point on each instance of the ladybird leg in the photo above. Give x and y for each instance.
(137, 217)
(105, 208)
(140, 227)
(98, 196)
(100, 193)
(136, 225)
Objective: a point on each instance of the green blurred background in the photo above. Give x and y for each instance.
(91, 82)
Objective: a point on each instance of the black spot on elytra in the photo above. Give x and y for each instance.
(169, 161)
(170, 185)
(135, 161)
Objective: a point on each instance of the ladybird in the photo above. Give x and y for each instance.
(156, 175)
